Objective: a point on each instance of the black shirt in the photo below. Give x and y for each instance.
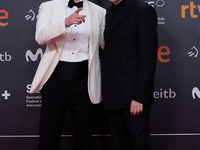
(116, 8)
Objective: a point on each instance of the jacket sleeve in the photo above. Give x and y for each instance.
(102, 42)
(46, 28)
(147, 54)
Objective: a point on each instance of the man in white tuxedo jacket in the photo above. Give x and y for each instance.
(69, 74)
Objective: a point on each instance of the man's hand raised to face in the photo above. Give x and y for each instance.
(75, 18)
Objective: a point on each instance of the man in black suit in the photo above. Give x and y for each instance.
(129, 63)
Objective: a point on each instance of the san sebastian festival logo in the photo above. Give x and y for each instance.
(158, 4)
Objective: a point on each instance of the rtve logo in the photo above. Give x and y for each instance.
(3, 15)
(35, 56)
(190, 8)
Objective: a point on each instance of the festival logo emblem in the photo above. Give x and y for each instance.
(194, 52)
(30, 16)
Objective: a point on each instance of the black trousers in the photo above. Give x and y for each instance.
(128, 132)
(58, 96)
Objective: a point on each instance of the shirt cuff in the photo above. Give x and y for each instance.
(65, 26)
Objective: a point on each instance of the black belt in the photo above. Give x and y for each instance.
(71, 71)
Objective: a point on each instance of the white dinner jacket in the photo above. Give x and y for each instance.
(51, 31)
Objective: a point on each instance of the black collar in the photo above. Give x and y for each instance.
(119, 5)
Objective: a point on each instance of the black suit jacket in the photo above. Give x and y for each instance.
(130, 55)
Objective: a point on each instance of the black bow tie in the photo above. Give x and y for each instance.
(72, 3)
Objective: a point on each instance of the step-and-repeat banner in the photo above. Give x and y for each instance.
(175, 120)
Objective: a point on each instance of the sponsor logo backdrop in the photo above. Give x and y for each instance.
(174, 121)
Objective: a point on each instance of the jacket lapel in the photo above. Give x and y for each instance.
(94, 32)
(61, 13)
(111, 25)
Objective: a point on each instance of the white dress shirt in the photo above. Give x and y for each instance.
(77, 37)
